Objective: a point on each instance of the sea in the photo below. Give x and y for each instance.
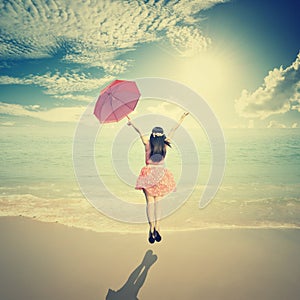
(260, 187)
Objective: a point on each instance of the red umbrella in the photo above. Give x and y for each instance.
(116, 101)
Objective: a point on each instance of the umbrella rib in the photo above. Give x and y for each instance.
(122, 102)
(112, 109)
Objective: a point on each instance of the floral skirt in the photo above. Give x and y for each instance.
(156, 180)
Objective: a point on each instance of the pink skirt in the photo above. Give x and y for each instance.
(156, 180)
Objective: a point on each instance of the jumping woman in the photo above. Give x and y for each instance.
(154, 179)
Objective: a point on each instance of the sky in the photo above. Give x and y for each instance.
(241, 56)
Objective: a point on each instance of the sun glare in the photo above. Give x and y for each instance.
(210, 74)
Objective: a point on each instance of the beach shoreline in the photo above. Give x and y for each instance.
(42, 260)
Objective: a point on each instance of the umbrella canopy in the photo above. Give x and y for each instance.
(116, 101)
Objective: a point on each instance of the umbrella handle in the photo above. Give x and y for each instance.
(128, 118)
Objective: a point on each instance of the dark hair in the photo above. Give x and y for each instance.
(158, 144)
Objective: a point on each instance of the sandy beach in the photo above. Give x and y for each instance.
(51, 261)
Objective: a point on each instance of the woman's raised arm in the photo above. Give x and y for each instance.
(144, 140)
(171, 133)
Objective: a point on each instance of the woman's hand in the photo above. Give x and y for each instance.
(184, 115)
(129, 123)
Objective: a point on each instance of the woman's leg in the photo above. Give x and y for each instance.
(150, 210)
(157, 212)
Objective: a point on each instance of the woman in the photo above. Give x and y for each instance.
(154, 179)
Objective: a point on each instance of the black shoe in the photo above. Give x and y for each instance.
(157, 236)
(151, 238)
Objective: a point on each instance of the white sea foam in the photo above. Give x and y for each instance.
(77, 212)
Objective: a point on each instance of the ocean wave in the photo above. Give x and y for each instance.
(79, 213)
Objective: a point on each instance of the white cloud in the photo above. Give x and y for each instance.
(33, 107)
(295, 106)
(275, 124)
(60, 114)
(188, 8)
(187, 40)
(8, 123)
(59, 83)
(279, 94)
(13, 80)
(75, 97)
(96, 32)
(166, 109)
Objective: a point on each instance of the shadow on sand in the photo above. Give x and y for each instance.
(135, 281)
